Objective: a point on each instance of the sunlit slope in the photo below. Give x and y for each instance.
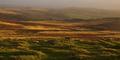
(82, 25)
(4, 24)
(59, 19)
(11, 24)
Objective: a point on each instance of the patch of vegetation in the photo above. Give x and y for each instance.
(59, 49)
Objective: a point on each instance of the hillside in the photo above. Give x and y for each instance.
(81, 25)
(56, 14)
(81, 19)
(64, 34)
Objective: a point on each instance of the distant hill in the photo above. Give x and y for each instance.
(55, 14)
(59, 19)
(111, 25)
(89, 13)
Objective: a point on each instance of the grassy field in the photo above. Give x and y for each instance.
(60, 49)
(45, 40)
(59, 45)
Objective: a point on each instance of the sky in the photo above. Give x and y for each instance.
(101, 4)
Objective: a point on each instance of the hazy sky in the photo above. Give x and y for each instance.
(106, 4)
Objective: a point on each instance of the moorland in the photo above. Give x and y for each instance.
(64, 34)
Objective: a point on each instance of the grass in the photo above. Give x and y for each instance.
(60, 49)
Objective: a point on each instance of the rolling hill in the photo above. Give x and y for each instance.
(59, 19)
(83, 25)
(56, 14)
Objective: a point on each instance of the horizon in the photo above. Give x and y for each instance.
(98, 4)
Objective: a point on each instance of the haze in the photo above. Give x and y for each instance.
(101, 4)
